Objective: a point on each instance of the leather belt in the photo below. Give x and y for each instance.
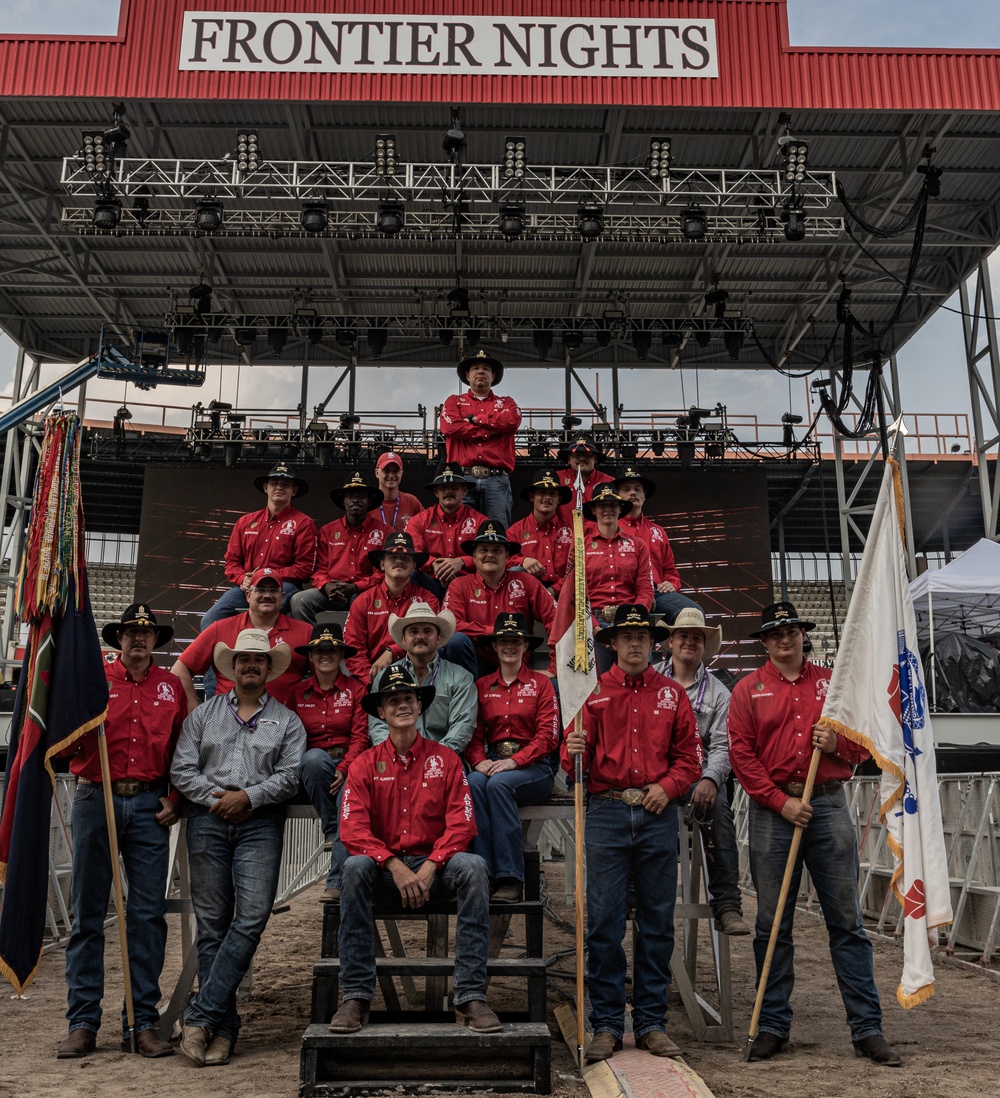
(506, 748)
(336, 752)
(796, 789)
(483, 472)
(125, 787)
(632, 797)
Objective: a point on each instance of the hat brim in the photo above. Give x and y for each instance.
(376, 555)
(224, 659)
(467, 547)
(603, 636)
(375, 497)
(260, 482)
(588, 509)
(451, 482)
(346, 650)
(370, 702)
(445, 621)
(772, 625)
(565, 494)
(711, 633)
(531, 639)
(599, 455)
(648, 486)
(109, 634)
(467, 363)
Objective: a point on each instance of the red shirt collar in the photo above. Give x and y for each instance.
(618, 676)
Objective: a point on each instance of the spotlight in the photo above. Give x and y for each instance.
(603, 337)
(733, 339)
(345, 337)
(703, 337)
(231, 454)
(245, 338)
(590, 220)
(657, 444)
(716, 299)
(377, 340)
(694, 223)
(208, 214)
(514, 161)
(788, 421)
(642, 341)
(123, 413)
(385, 154)
(796, 154)
(446, 335)
(672, 337)
(458, 300)
(454, 142)
(390, 218)
(715, 445)
(276, 339)
(107, 213)
(794, 221)
(473, 336)
(628, 450)
(315, 215)
(685, 452)
(542, 339)
(572, 340)
(248, 157)
(512, 219)
(94, 155)
(140, 206)
(315, 334)
(658, 162)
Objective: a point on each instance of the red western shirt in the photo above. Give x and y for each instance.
(332, 718)
(198, 656)
(548, 544)
(564, 514)
(661, 556)
(525, 710)
(618, 570)
(343, 552)
(143, 722)
(285, 543)
(770, 733)
(397, 513)
(367, 627)
(442, 535)
(640, 729)
(476, 606)
(398, 805)
(488, 441)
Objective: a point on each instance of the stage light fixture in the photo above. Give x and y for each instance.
(385, 154)
(245, 338)
(658, 161)
(446, 335)
(685, 452)
(315, 334)
(796, 154)
(277, 337)
(213, 335)
(248, 158)
(794, 222)
(140, 206)
(511, 219)
(788, 422)
(715, 445)
(603, 337)
(345, 337)
(473, 336)
(377, 340)
(703, 337)
(642, 342)
(657, 444)
(590, 220)
(390, 217)
(694, 222)
(514, 160)
(107, 213)
(716, 300)
(733, 339)
(542, 339)
(231, 454)
(572, 340)
(454, 140)
(93, 154)
(208, 213)
(458, 303)
(315, 215)
(672, 337)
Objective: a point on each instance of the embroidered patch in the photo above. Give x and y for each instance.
(380, 766)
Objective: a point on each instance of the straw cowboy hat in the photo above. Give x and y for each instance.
(689, 618)
(252, 640)
(421, 612)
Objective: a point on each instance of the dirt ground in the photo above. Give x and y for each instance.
(948, 1044)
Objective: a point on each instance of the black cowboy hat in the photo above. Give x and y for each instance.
(478, 359)
(632, 617)
(546, 479)
(778, 615)
(491, 532)
(631, 473)
(137, 614)
(327, 637)
(514, 626)
(357, 483)
(394, 680)
(398, 545)
(449, 475)
(581, 442)
(282, 471)
(605, 493)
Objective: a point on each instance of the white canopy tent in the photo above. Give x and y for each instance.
(962, 597)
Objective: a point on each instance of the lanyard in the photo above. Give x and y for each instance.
(701, 689)
(249, 725)
(395, 514)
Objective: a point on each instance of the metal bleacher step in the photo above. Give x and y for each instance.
(426, 1055)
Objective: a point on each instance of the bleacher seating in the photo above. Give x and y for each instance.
(112, 590)
(812, 600)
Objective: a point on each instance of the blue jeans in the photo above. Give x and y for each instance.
(305, 605)
(495, 799)
(829, 851)
(491, 497)
(620, 839)
(316, 772)
(144, 846)
(234, 602)
(724, 866)
(671, 603)
(234, 879)
(462, 651)
(365, 884)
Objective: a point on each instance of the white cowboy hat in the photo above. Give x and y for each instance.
(252, 640)
(689, 618)
(421, 612)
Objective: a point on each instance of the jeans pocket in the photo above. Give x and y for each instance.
(86, 793)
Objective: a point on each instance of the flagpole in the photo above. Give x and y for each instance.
(109, 812)
(793, 853)
(582, 657)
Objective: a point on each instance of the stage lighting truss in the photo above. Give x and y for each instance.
(635, 206)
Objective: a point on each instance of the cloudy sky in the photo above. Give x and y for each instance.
(936, 350)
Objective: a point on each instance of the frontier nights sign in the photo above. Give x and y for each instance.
(475, 45)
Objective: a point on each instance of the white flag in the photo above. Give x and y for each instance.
(877, 698)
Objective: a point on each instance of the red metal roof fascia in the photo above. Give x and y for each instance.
(757, 66)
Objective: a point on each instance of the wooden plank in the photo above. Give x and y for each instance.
(413, 996)
(439, 966)
(437, 946)
(600, 1079)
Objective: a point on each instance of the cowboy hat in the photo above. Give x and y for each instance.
(140, 615)
(478, 359)
(778, 615)
(582, 444)
(513, 626)
(491, 532)
(326, 637)
(422, 613)
(281, 471)
(357, 483)
(546, 480)
(629, 473)
(690, 618)
(394, 680)
(397, 545)
(605, 493)
(252, 640)
(631, 617)
(449, 475)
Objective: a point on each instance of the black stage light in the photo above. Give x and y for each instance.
(140, 206)
(473, 336)
(345, 337)
(788, 422)
(454, 141)
(511, 219)
(572, 339)
(794, 222)
(733, 339)
(315, 215)
(208, 214)
(390, 217)
(672, 337)
(315, 334)
(603, 337)
(276, 339)
(542, 339)
(458, 301)
(694, 222)
(716, 300)
(377, 340)
(245, 338)
(590, 220)
(642, 341)
(446, 335)
(703, 337)
(107, 213)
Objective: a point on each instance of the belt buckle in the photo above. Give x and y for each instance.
(127, 787)
(795, 789)
(633, 797)
(506, 749)
(480, 472)
(336, 752)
